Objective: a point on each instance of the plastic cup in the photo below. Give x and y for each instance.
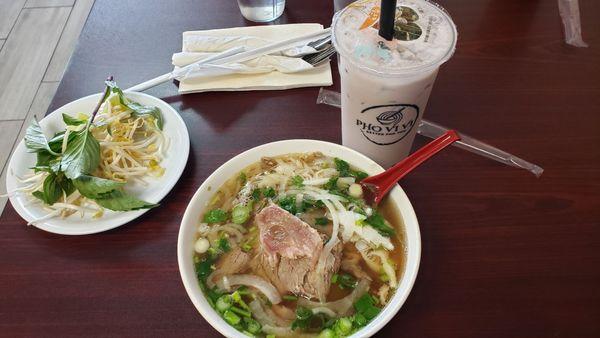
(385, 85)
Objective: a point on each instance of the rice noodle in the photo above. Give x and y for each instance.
(226, 282)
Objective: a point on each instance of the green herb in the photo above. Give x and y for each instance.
(72, 121)
(297, 181)
(118, 200)
(215, 216)
(331, 185)
(82, 155)
(344, 170)
(240, 312)
(268, 192)
(252, 325)
(231, 318)
(57, 141)
(204, 268)
(35, 140)
(95, 187)
(246, 247)
(321, 221)
(303, 316)
(240, 213)
(243, 178)
(53, 187)
(288, 203)
(378, 222)
(365, 305)
(344, 281)
(223, 244)
(224, 303)
(256, 194)
(290, 298)
(138, 109)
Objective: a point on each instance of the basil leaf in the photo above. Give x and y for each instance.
(44, 158)
(118, 200)
(95, 187)
(52, 190)
(72, 121)
(56, 142)
(138, 109)
(35, 140)
(67, 186)
(82, 155)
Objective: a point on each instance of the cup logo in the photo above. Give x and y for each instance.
(387, 124)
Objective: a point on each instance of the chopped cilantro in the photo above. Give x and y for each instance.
(268, 192)
(321, 221)
(215, 216)
(223, 244)
(378, 222)
(345, 171)
(297, 181)
(256, 194)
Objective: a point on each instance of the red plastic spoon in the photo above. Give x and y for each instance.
(375, 187)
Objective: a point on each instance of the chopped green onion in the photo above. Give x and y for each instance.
(327, 333)
(343, 326)
(240, 312)
(246, 247)
(243, 177)
(334, 278)
(240, 213)
(231, 318)
(360, 320)
(365, 305)
(252, 325)
(224, 303)
(290, 298)
(237, 297)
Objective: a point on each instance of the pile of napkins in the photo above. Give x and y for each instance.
(283, 70)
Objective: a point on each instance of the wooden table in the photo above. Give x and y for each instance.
(504, 254)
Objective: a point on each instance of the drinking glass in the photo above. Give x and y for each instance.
(261, 10)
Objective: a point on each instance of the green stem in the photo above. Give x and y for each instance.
(106, 93)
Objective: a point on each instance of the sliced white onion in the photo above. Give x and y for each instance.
(266, 316)
(226, 282)
(341, 307)
(324, 310)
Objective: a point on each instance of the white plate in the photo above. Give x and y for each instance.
(174, 162)
(189, 225)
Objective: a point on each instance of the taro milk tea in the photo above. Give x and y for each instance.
(385, 85)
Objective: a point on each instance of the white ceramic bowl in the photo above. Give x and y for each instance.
(185, 243)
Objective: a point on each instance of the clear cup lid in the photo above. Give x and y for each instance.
(424, 36)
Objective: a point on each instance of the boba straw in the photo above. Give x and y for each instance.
(433, 130)
(387, 16)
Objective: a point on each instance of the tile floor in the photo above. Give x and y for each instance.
(37, 38)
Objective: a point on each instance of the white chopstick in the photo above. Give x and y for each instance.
(234, 55)
(169, 76)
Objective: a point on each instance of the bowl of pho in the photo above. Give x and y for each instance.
(280, 242)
